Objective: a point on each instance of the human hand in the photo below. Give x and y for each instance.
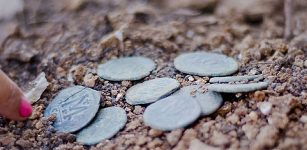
(13, 103)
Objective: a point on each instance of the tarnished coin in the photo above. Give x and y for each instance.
(237, 88)
(151, 91)
(74, 107)
(175, 111)
(127, 68)
(209, 101)
(234, 78)
(105, 125)
(206, 64)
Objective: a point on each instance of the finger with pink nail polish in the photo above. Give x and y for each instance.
(13, 104)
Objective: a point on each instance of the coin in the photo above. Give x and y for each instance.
(151, 91)
(173, 112)
(127, 68)
(234, 78)
(105, 125)
(236, 88)
(74, 107)
(209, 101)
(205, 64)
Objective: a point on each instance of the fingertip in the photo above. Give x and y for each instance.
(25, 108)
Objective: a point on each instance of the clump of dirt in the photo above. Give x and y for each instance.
(68, 43)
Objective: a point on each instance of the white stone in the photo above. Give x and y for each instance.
(265, 107)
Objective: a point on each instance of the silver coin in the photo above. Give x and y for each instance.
(234, 78)
(74, 107)
(151, 91)
(209, 101)
(128, 68)
(175, 111)
(206, 64)
(105, 125)
(237, 88)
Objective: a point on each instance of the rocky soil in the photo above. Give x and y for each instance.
(67, 40)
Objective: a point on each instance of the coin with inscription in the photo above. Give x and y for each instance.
(104, 126)
(209, 101)
(74, 108)
(206, 64)
(173, 112)
(127, 68)
(151, 91)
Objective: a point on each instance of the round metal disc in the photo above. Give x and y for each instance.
(151, 91)
(74, 107)
(128, 68)
(105, 125)
(206, 64)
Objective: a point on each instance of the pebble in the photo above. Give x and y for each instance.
(237, 88)
(151, 91)
(173, 112)
(196, 144)
(209, 101)
(234, 78)
(38, 86)
(265, 107)
(127, 68)
(108, 122)
(205, 64)
(74, 107)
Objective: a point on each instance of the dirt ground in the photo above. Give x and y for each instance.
(67, 40)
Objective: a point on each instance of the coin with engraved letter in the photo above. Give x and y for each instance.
(74, 108)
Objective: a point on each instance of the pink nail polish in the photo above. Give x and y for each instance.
(25, 108)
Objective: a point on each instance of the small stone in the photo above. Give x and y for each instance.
(138, 110)
(265, 107)
(219, 138)
(234, 119)
(76, 73)
(74, 107)
(127, 68)
(114, 39)
(174, 136)
(90, 80)
(173, 112)
(155, 133)
(209, 101)
(37, 87)
(266, 138)
(253, 116)
(106, 124)
(303, 119)
(151, 91)
(205, 64)
(233, 78)
(196, 144)
(73, 4)
(237, 88)
(191, 79)
(259, 95)
(24, 144)
(250, 131)
(305, 63)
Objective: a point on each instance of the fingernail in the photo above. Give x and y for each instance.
(25, 108)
